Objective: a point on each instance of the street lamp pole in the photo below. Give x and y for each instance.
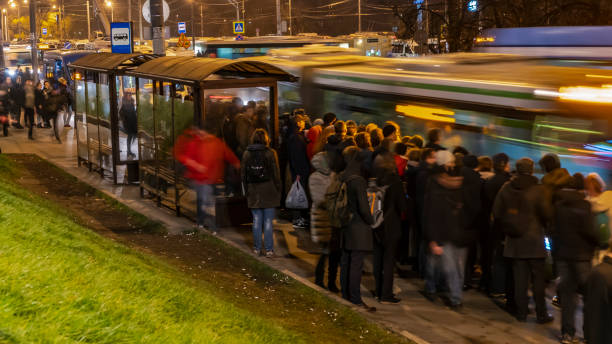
(88, 23)
(34, 40)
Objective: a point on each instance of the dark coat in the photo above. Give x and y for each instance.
(444, 213)
(423, 174)
(598, 304)
(266, 194)
(128, 116)
(490, 189)
(357, 235)
(521, 196)
(18, 94)
(334, 147)
(574, 232)
(394, 204)
(299, 164)
(472, 189)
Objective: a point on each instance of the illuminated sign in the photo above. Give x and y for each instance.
(121, 38)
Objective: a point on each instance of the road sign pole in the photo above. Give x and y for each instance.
(33, 40)
(157, 25)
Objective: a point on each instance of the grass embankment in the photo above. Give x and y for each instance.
(62, 282)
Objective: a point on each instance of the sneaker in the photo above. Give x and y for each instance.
(257, 253)
(545, 319)
(567, 339)
(270, 254)
(367, 308)
(390, 300)
(556, 301)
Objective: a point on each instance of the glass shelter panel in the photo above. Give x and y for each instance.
(146, 134)
(80, 120)
(183, 120)
(93, 137)
(128, 118)
(164, 138)
(104, 124)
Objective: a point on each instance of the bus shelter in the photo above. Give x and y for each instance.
(105, 112)
(177, 93)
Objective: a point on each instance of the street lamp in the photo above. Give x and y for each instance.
(110, 4)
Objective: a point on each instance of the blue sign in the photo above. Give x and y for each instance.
(240, 38)
(182, 27)
(67, 45)
(44, 31)
(121, 38)
(472, 5)
(238, 27)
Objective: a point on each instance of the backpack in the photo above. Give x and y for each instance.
(601, 221)
(256, 167)
(376, 197)
(336, 202)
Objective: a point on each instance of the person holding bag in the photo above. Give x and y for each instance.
(261, 179)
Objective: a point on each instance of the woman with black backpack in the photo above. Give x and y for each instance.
(262, 185)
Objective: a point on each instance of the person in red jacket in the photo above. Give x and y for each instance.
(204, 156)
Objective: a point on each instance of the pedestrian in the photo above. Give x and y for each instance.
(598, 302)
(401, 160)
(52, 105)
(357, 234)
(321, 231)
(129, 118)
(261, 178)
(39, 100)
(601, 205)
(67, 95)
(434, 138)
(496, 275)
(29, 106)
(299, 165)
(244, 127)
(417, 141)
(444, 229)
(423, 173)
(576, 242)
(18, 96)
(351, 128)
(472, 189)
(376, 137)
(387, 237)
(314, 134)
(204, 157)
(518, 214)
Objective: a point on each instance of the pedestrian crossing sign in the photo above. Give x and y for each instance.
(239, 27)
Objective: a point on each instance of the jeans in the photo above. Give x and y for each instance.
(452, 262)
(206, 205)
(351, 268)
(263, 218)
(573, 278)
(522, 269)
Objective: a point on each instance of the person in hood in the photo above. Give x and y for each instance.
(357, 234)
(204, 156)
(577, 239)
(598, 302)
(444, 229)
(518, 214)
(336, 145)
(492, 254)
(321, 231)
(387, 238)
(261, 178)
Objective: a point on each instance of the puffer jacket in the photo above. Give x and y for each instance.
(265, 194)
(320, 229)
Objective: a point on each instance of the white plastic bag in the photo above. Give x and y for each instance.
(296, 198)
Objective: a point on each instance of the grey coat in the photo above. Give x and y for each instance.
(267, 194)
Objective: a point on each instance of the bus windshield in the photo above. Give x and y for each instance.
(15, 59)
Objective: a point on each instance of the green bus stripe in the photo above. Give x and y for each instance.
(433, 87)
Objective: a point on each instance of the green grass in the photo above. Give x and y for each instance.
(62, 282)
(59, 282)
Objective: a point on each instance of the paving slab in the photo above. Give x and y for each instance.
(481, 321)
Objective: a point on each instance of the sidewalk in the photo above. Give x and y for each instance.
(415, 317)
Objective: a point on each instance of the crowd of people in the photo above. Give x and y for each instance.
(452, 215)
(40, 104)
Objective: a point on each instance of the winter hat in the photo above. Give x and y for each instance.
(444, 158)
(550, 162)
(499, 161)
(524, 166)
(470, 161)
(317, 121)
